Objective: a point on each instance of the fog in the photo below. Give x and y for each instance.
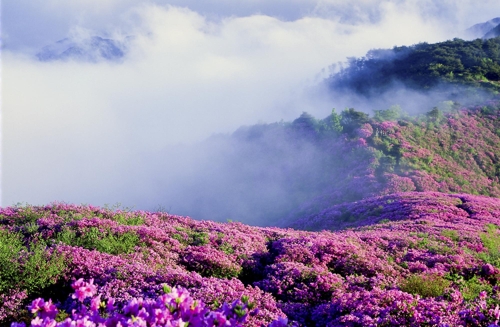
(133, 131)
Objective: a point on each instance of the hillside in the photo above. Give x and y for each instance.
(495, 32)
(426, 259)
(480, 29)
(265, 172)
(458, 64)
(453, 150)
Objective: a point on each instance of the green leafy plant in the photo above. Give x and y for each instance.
(425, 285)
(491, 241)
(129, 221)
(31, 268)
(102, 241)
(451, 234)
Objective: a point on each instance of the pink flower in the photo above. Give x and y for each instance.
(85, 322)
(43, 309)
(36, 305)
(83, 289)
(95, 303)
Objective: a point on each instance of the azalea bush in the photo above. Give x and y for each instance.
(412, 259)
(174, 308)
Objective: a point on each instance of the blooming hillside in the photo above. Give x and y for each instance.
(451, 150)
(429, 259)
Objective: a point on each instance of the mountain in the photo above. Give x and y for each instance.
(92, 49)
(495, 32)
(450, 68)
(481, 29)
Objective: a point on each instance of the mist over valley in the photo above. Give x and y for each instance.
(308, 163)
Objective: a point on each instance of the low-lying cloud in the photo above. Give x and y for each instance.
(87, 132)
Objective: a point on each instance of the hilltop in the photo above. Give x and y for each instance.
(457, 64)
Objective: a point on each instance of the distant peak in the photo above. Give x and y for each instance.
(91, 49)
(480, 30)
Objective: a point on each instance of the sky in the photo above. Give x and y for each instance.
(103, 132)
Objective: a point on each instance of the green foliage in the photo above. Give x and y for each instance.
(491, 241)
(127, 220)
(10, 246)
(30, 228)
(102, 241)
(352, 119)
(188, 236)
(393, 114)
(451, 234)
(226, 248)
(29, 214)
(335, 121)
(29, 268)
(425, 285)
(417, 132)
(423, 66)
(435, 115)
(306, 123)
(470, 288)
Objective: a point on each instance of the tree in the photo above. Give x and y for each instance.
(352, 119)
(335, 121)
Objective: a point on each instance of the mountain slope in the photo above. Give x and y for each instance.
(495, 32)
(423, 66)
(265, 172)
(399, 207)
(454, 152)
(433, 260)
(479, 30)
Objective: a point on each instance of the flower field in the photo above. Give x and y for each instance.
(406, 259)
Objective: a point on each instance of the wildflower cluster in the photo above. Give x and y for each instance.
(174, 308)
(408, 259)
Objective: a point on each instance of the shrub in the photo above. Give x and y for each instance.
(129, 221)
(451, 234)
(102, 241)
(31, 268)
(491, 241)
(425, 285)
(209, 262)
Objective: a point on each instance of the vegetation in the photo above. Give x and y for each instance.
(396, 222)
(424, 66)
(433, 257)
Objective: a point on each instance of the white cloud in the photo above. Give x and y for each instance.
(81, 132)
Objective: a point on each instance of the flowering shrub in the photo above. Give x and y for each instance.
(174, 308)
(409, 259)
(209, 262)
